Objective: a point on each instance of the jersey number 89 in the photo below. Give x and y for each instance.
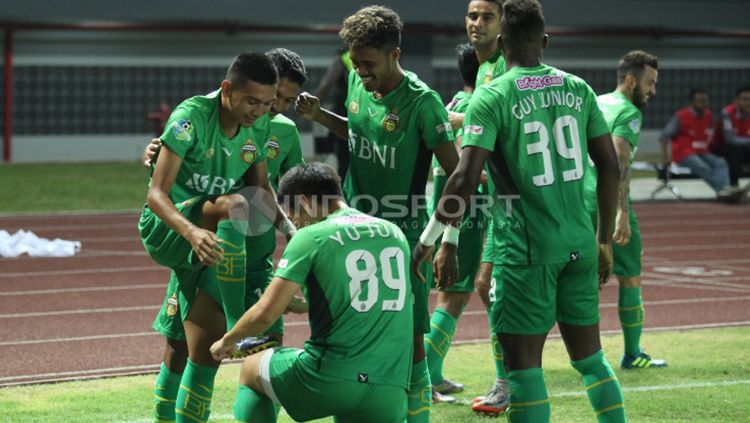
(362, 269)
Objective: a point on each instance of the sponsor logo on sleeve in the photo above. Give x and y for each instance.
(443, 127)
(183, 130)
(635, 125)
(538, 82)
(473, 129)
(283, 263)
(354, 107)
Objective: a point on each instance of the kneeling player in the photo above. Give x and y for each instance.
(353, 270)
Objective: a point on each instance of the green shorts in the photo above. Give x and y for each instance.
(470, 242)
(628, 258)
(530, 299)
(163, 244)
(181, 291)
(487, 253)
(306, 395)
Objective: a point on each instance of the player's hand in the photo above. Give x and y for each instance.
(307, 106)
(622, 229)
(445, 266)
(206, 246)
(418, 255)
(456, 120)
(605, 263)
(222, 349)
(151, 152)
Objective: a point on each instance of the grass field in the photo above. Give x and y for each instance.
(70, 187)
(708, 381)
(26, 188)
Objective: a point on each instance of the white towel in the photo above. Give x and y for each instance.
(27, 242)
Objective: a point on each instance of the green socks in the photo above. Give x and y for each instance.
(420, 393)
(194, 397)
(630, 310)
(497, 349)
(230, 272)
(165, 394)
(602, 388)
(437, 342)
(529, 402)
(252, 407)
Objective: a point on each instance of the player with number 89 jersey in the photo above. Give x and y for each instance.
(354, 272)
(552, 113)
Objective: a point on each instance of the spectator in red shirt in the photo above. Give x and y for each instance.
(732, 134)
(689, 132)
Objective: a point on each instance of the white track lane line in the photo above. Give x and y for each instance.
(81, 271)
(82, 289)
(78, 339)
(79, 311)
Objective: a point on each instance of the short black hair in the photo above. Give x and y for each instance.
(316, 180)
(522, 23)
(373, 26)
(289, 65)
(468, 64)
(694, 91)
(742, 89)
(252, 66)
(634, 63)
(499, 3)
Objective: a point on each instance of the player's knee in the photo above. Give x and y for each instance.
(176, 355)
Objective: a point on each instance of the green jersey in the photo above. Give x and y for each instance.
(212, 164)
(390, 145)
(491, 69)
(458, 104)
(624, 120)
(283, 149)
(536, 122)
(354, 272)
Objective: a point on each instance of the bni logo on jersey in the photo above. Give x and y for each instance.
(538, 82)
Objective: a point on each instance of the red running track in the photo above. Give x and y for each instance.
(90, 315)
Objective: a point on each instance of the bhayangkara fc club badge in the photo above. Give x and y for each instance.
(354, 107)
(391, 122)
(172, 305)
(272, 149)
(249, 151)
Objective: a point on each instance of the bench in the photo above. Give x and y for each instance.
(667, 175)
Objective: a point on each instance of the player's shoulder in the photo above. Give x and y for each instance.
(282, 122)
(418, 90)
(200, 104)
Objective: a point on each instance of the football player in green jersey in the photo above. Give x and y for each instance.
(394, 124)
(536, 125)
(482, 22)
(283, 151)
(452, 301)
(353, 270)
(637, 74)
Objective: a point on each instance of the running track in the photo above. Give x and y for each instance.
(90, 316)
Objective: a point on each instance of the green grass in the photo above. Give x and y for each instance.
(71, 187)
(84, 187)
(708, 381)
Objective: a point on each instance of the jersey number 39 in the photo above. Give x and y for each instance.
(561, 146)
(364, 286)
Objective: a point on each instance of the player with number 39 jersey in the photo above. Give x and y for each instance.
(552, 113)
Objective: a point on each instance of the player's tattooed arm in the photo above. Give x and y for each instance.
(622, 222)
(603, 154)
